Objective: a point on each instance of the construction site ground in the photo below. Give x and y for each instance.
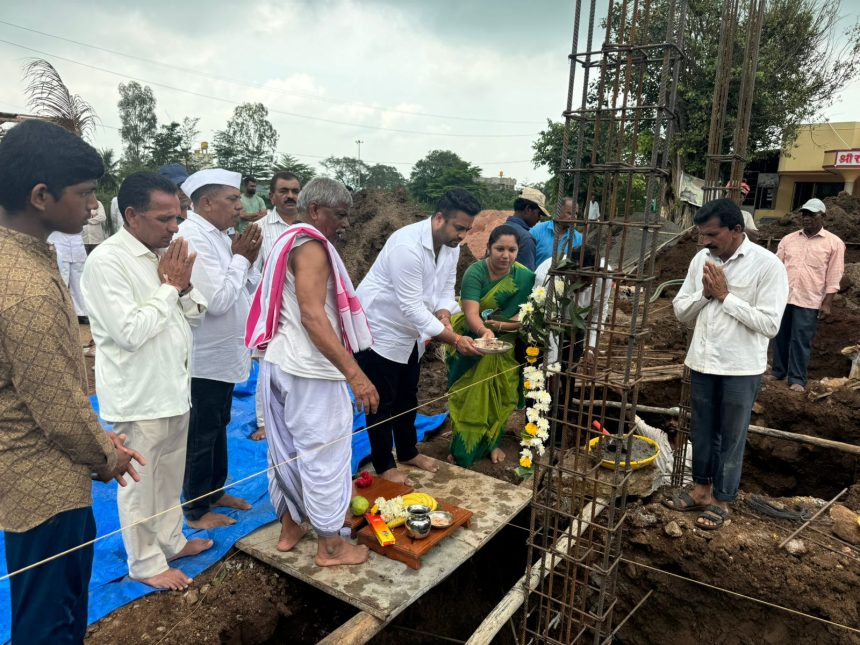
(242, 600)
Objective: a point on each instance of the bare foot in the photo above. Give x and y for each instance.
(172, 579)
(334, 551)
(497, 456)
(394, 475)
(231, 501)
(291, 533)
(211, 521)
(193, 547)
(424, 463)
(259, 434)
(797, 387)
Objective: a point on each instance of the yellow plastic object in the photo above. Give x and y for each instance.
(634, 465)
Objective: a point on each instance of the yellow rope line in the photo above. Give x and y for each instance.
(244, 479)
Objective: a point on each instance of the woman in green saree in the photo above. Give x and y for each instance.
(491, 294)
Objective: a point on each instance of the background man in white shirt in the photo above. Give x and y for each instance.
(735, 292)
(305, 374)
(224, 273)
(71, 255)
(408, 296)
(142, 305)
(284, 189)
(93, 232)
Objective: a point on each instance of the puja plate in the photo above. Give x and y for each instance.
(493, 345)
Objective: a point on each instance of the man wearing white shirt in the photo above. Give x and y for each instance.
(735, 292)
(408, 296)
(284, 189)
(115, 217)
(224, 273)
(93, 232)
(593, 295)
(71, 256)
(142, 305)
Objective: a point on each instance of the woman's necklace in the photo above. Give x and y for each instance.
(493, 274)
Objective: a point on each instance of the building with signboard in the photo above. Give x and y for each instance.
(823, 161)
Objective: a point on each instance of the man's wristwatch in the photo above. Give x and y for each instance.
(186, 290)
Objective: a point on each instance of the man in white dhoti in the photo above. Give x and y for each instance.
(306, 310)
(137, 287)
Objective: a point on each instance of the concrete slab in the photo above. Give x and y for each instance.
(383, 587)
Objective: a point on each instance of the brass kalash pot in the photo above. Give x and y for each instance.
(418, 522)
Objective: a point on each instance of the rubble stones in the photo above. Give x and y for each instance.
(845, 524)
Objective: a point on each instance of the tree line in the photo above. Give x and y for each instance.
(807, 55)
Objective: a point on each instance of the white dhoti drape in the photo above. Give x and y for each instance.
(151, 544)
(308, 426)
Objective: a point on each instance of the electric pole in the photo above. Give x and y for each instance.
(358, 143)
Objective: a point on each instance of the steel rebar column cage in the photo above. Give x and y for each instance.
(616, 150)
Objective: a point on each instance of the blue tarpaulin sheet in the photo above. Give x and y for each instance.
(110, 588)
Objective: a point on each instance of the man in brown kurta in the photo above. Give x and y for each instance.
(51, 443)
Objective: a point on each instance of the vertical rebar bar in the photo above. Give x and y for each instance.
(622, 132)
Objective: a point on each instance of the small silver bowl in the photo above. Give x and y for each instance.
(441, 519)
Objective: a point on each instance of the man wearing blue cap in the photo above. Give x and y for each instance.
(176, 173)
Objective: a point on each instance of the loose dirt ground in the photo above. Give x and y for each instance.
(243, 601)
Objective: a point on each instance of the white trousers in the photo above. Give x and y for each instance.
(257, 355)
(309, 435)
(258, 399)
(151, 544)
(71, 273)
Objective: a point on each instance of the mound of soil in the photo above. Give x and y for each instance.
(743, 557)
(672, 263)
(780, 467)
(485, 222)
(375, 215)
(842, 219)
(240, 600)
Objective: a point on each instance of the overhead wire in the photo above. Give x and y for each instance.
(294, 115)
(262, 86)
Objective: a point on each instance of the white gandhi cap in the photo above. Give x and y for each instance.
(209, 177)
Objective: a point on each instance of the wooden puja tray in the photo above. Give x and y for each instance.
(409, 550)
(379, 488)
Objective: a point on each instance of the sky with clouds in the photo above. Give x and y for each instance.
(478, 77)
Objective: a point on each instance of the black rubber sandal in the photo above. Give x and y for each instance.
(715, 514)
(690, 505)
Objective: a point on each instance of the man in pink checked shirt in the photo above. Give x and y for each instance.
(814, 259)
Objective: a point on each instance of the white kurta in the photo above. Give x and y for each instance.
(227, 282)
(93, 232)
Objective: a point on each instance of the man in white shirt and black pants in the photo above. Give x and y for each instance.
(137, 286)
(735, 292)
(408, 296)
(224, 273)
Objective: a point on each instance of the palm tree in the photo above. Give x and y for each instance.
(109, 180)
(49, 97)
